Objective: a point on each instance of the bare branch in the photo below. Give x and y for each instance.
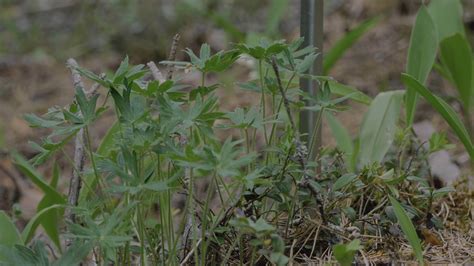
(155, 72)
(79, 151)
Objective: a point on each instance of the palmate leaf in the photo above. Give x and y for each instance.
(445, 110)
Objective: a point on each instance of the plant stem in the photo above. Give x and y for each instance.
(263, 103)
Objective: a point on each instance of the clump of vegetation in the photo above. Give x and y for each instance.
(265, 199)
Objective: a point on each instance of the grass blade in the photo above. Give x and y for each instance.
(343, 90)
(408, 229)
(421, 56)
(444, 109)
(347, 42)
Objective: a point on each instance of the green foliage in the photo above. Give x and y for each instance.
(456, 57)
(379, 126)
(10, 235)
(408, 229)
(421, 56)
(347, 41)
(447, 16)
(344, 253)
(167, 135)
(445, 110)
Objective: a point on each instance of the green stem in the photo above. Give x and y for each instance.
(260, 72)
(317, 126)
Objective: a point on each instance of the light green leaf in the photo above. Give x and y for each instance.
(444, 109)
(75, 254)
(421, 56)
(121, 70)
(9, 235)
(379, 126)
(456, 56)
(343, 181)
(343, 90)
(344, 253)
(346, 42)
(408, 229)
(447, 15)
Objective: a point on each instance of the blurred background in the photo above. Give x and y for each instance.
(37, 37)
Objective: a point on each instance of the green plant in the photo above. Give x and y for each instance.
(344, 253)
(263, 200)
(434, 28)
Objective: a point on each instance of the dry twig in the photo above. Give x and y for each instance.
(172, 56)
(79, 151)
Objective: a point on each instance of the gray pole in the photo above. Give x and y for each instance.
(311, 28)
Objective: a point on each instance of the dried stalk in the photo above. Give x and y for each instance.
(155, 72)
(172, 56)
(79, 151)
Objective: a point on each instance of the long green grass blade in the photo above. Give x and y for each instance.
(342, 45)
(408, 229)
(421, 56)
(343, 90)
(444, 109)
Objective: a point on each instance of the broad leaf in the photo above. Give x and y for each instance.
(456, 56)
(447, 15)
(421, 56)
(444, 109)
(9, 235)
(379, 126)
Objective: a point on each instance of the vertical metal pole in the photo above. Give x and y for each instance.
(311, 28)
